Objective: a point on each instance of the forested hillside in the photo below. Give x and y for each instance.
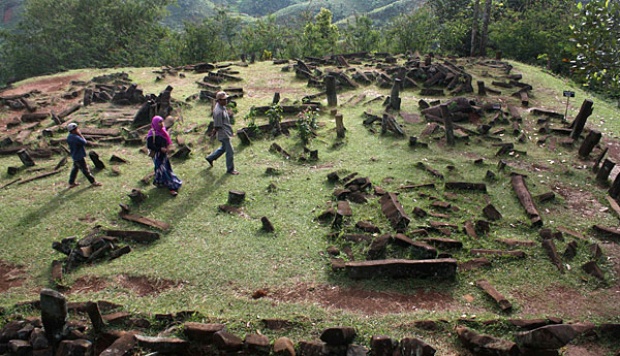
(195, 10)
(576, 39)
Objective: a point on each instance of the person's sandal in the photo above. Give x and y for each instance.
(234, 173)
(174, 193)
(96, 184)
(73, 185)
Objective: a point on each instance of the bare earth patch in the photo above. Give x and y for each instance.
(560, 301)
(87, 284)
(47, 92)
(142, 286)
(44, 85)
(11, 276)
(580, 201)
(363, 301)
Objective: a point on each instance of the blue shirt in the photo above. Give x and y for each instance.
(76, 146)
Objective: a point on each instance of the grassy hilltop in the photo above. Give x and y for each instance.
(214, 263)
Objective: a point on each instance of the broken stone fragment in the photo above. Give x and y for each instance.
(551, 336)
(482, 344)
(336, 336)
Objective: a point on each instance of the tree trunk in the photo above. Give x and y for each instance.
(474, 28)
(485, 28)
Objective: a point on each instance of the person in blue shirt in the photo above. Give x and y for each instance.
(76, 143)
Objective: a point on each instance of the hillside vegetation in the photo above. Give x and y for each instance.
(222, 267)
(196, 10)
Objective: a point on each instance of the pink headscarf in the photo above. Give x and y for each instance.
(159, 130)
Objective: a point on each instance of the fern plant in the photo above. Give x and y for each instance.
(307, 124)
(274, 113)
(250, 119)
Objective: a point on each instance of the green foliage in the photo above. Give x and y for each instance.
(413, 32)
(266, 34)
(55, 35)
(597, 59)
(229, 27)
(454, 36)
(261, 8)
(250, 119)
(274, 114)
(361, 35)
(448, 10)
(201, 42)
(320, 36)
(307, 124)
(527, 36)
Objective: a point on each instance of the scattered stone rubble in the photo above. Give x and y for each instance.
(89, 328)
(98, 245)
(432, 78)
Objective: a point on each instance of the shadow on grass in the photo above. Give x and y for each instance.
(53, 205)
(196, 190)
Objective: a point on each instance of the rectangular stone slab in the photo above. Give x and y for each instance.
(400, 268)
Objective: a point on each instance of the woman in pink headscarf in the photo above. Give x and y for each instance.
(158, 140)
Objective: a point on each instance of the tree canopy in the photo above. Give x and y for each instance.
(55, 35)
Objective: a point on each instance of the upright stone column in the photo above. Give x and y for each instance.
(53, 315)
(330, 89)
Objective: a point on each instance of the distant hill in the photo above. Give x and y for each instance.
(195, 10)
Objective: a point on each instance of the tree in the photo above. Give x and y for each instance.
(474, 28)
(456, 20)
(55, 35)
(448, 10)
(202, 42)
(261, 7)
(264, 34)
(361, 35)
(485, 27)
(320, 36)
(417, 31)
(229, 28)
(596, 36)
(529, 36)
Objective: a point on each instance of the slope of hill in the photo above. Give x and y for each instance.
(380, 11)
(214, 263)
(195, 10)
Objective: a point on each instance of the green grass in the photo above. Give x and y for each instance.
(221, 259)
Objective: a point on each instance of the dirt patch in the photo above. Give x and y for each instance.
(142, 286)
(580, 201)
(364, 301)
(88, 284)
(573, 304)
(11, 276)
(586, 349)
(43, 85)
(47, 93)
(562, 301)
